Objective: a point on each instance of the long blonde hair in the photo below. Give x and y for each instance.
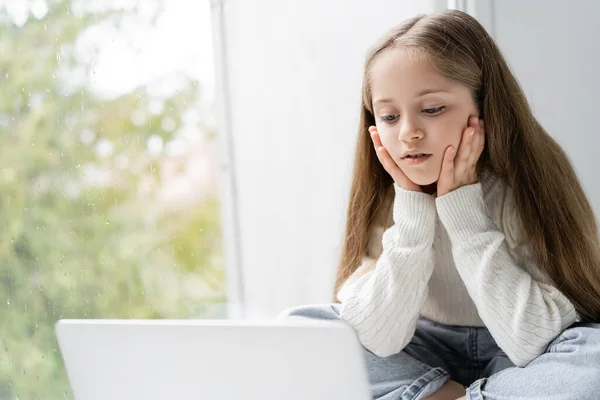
(558, 220)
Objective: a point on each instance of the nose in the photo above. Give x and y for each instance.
(409, 132)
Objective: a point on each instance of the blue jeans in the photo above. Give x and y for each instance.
(570, 368)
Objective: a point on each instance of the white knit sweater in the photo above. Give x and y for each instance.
(458, 259)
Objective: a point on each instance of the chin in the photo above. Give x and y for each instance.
(423, 179)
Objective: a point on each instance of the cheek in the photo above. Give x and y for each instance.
(455, 138)
(439, 139)
(448, 132)
(387, 136)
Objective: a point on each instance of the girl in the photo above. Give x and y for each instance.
(471, 257)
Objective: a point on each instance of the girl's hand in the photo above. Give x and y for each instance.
(460, 170)
(390, 165)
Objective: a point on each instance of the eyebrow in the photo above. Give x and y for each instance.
(420, 94)
(430, 91)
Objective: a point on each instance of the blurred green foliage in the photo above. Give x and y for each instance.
(71, 247)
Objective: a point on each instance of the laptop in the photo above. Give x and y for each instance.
(293, 359)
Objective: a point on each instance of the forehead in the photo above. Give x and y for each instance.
(400, 72)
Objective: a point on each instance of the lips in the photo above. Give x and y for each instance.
(416, 159)
(416, 155)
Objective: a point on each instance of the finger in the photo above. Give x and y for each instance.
(480, 127)
(377, 144)
(388, 162)
(447, 173)
(390, 166)
(476, 123)
(481, 146)
(375, 136)
(482, 143)
(461, 161)
(474, 155)
(382, 154)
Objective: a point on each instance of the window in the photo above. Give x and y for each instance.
(108, 174)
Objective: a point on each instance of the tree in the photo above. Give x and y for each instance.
(85, 230)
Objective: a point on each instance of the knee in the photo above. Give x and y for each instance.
(316, 311)
(568, 370)
(579, 350)
(582, 339)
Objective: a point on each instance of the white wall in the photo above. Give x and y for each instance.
(554, 49)
(289, 74)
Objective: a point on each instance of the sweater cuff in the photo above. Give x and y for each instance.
(415, 212)
(463, 212)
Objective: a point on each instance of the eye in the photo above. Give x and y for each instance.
(434, 111)
(388, 119)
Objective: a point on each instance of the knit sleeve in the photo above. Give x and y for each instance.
(523, 314)
(382, 300)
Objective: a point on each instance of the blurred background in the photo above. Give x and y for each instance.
(192, 159)
(109, 203)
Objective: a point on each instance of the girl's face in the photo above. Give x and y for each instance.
(418, 110)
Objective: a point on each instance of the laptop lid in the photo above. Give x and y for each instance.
(212, 359)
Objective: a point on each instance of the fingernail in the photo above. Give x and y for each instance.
(472, 132)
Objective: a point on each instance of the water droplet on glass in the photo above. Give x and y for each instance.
(107, 222)
(8, 302)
